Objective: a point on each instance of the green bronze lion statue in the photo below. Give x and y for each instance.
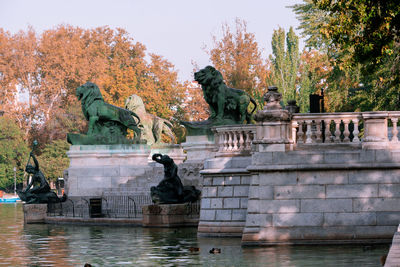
(227, 105)
(108, 124)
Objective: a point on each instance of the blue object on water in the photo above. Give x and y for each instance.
(9, 200)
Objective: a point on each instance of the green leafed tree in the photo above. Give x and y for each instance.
(285, 61)
(53, 160)
(13, 153)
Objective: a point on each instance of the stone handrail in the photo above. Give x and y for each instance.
(368, 129)
(234, 139)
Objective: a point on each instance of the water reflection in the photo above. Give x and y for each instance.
(66, 245)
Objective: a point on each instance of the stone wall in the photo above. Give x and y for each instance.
(323, 196)
(224, 197)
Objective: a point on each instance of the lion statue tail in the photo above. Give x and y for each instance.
(250, 115)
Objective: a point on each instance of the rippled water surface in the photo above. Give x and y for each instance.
(66, 245)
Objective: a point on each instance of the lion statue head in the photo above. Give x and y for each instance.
(208, 76)
(87, 94)
(135, 103)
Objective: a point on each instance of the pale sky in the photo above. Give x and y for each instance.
(175, 29)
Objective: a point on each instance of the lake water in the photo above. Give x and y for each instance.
(68, 245)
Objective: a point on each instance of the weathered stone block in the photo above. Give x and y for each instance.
(223, 215)
(374, 176)
(218, 181)
(239, 215)
(253, 206)
(278, 178)
(245, 180)
(34, 213)
(341, 157)
(261, 220)
(388, 218)
(241, 191)
(351, 191)
(207, 215)
(376, 204)
(243, 203)
(326, 205)
(232, 180)
(297, 219)
(322, 177)
(207, 181)
(205, 203)
(231, 203)
(278, 206)
(216, 203)
(337, 219)
(254, 192)
(225, 191)
(299, 191)
(209, 191)
(255, 179)
(389, 190)
(262, 158)
(266, 192)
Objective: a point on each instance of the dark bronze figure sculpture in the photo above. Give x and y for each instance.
(227, 105)
(40, 192)
(108, 124)
(170, 190)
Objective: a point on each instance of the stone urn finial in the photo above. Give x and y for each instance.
(272, 98)
(272, 110)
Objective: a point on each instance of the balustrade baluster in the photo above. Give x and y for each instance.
(318, 134)
(300, 133)
(346, 131)
(230, 145)
(241, 140)
(248, 141)
(328, 134)
(226, 141)
(394, 130)
(220, 141)
(355, 131)
(308, 132)
(337, 131)
(294, 131)
(235, 141)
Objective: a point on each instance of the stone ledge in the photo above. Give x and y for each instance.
(169, 215)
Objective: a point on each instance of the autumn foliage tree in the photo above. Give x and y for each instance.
(238, 57)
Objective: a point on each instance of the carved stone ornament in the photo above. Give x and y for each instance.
(272, 110)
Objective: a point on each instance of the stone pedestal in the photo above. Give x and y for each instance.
(170, 215)
(94, 169)
(375, 130)
(199, 148)
(273, 136)
(34, 213)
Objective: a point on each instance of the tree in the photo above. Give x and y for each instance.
(314, 70)
(361, 39)
(13, 153)
(285, 62)
(238, 57)
(53, 159)
(48, 68)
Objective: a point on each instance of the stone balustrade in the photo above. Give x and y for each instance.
(366, 129)
(234, 139)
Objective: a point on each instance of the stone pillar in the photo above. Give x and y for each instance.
(34, 213)
(375, 130)
(274, 126)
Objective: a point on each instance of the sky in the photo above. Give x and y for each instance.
(178, 30)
